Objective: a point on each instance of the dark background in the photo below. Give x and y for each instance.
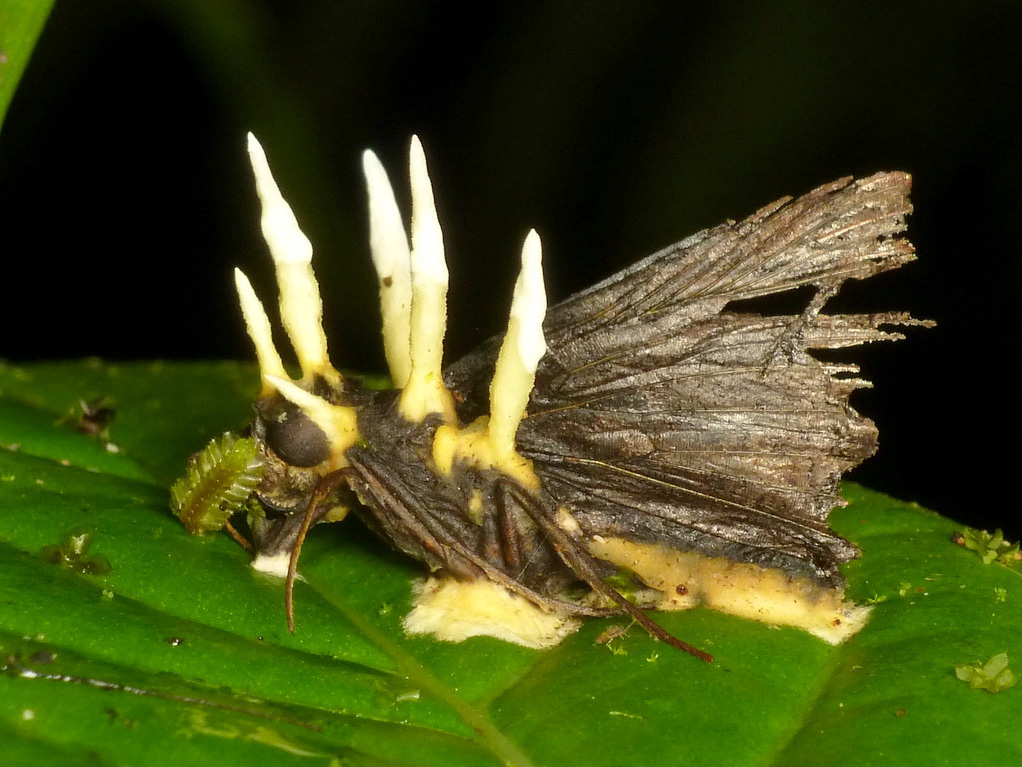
(613, 128)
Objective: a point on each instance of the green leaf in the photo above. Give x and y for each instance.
(179, 653)
(21, 23)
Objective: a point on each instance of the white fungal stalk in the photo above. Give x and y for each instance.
(259, 331)
(524, 345)
(301, 309)
(424, 392)
(392, 259)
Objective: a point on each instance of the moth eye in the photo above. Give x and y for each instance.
(293, 436)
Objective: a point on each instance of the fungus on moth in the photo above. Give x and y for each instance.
(642, 428)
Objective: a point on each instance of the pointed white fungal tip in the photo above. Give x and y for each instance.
(301, 309)
(295, 394)
(392, 259)
(524, 345)
(280, 227)
(424, 392)
(258, 325)
(529, 303)
(428, 263)
(386, 230)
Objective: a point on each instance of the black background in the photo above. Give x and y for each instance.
(613, 128)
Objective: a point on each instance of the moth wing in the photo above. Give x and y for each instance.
(845, 229)
(658, 415)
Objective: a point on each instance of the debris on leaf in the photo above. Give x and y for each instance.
(611, 634)
(993, 675)
(72, 554)
(95, 418)
(989, 547)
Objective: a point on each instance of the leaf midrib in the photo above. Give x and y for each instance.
(489, 735)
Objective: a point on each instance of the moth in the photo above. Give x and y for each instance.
(643, 444)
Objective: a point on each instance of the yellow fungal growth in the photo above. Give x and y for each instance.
(453, 611)
(301, 308)
(489, 442)
(737, 588)
(472, 446)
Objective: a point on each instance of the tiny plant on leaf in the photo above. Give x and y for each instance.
(989, 547)
(73, 554)
(993, 675)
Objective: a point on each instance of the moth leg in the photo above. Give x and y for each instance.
(581, 562)
(313, 512)
(491, 534)
(509, 535)
(240, 539)
(431, 532)
(790, 339)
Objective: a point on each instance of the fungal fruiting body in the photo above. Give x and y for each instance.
(641, 427)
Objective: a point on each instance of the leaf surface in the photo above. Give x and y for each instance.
(21, 23)
(180, 655)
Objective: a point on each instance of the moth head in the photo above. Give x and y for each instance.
(291, 433)
(304, 422)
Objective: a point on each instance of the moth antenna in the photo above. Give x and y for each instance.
(425, 392)
(301, 308)
(338, 422)
(259, 331)
(392, 259)
(524, 345)
(240, 539)
(323, 488)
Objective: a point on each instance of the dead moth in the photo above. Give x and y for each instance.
(638, 429)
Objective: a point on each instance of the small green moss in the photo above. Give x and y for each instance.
(72, 554)
(993, 675)
(990, 547)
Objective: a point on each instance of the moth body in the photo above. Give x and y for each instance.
(641, 429)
